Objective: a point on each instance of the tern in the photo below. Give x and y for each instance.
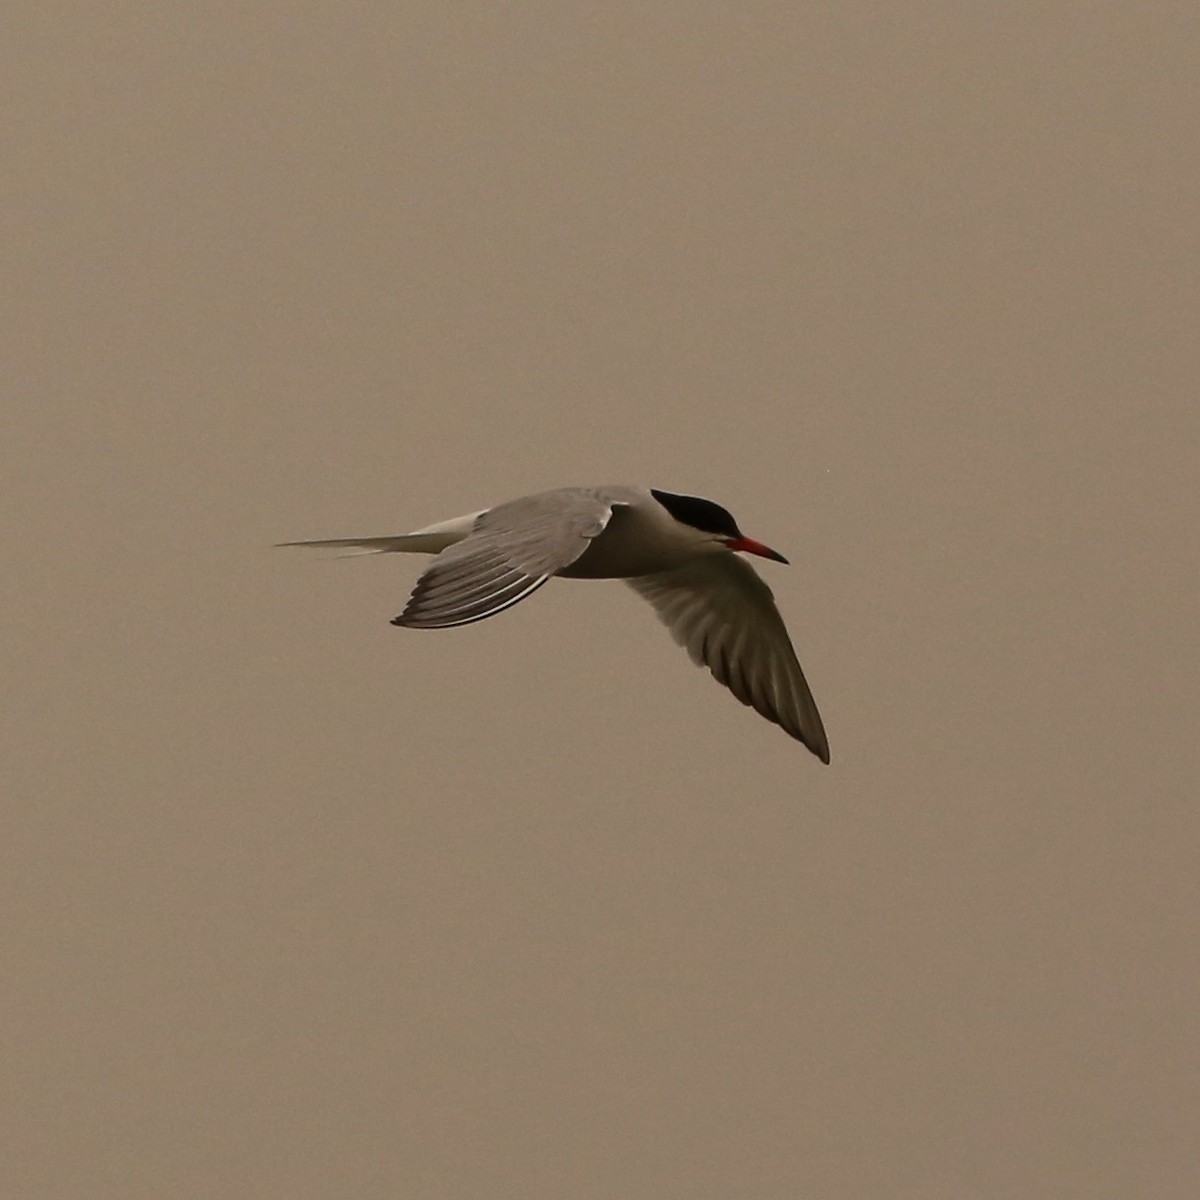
(679, 552)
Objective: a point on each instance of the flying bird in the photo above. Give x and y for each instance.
(676, 551)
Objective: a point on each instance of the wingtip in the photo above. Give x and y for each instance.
(818, 749)
(818, 744)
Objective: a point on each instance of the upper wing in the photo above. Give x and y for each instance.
(511, 551)
(722, 612)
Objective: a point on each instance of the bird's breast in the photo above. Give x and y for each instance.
(636, 541)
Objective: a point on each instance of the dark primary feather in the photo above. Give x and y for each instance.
(722, 612)
(513, 549)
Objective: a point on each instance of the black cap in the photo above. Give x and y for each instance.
(698, 513)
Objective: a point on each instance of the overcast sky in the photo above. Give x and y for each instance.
(303, 905)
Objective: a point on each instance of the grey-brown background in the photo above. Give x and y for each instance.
(301, 905)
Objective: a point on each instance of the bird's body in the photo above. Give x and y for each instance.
(674, 550)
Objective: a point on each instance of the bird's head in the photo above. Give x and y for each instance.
(715, 523)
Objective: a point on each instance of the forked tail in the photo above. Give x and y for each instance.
(413, 543)
(433, 539)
